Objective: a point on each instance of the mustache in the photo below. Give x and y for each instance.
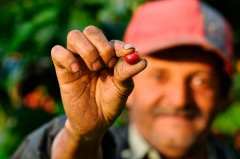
(189, 111)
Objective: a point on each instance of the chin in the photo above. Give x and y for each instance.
(173, 143)
(172, 149)
(173, 154)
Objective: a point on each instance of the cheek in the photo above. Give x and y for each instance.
(147, 92)
(207, 103)
(144, 99)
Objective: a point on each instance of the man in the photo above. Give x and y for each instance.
(184, 80)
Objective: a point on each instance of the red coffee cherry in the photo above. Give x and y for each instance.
(132, 58)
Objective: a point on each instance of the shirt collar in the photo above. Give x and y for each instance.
(139, 147)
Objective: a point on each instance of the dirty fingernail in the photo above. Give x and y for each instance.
(75, 67)
(112, 62)
(96, 65)
(128, 46)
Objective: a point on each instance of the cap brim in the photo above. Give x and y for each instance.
(151, 47)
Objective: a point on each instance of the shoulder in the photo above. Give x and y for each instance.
(38, 143)
(222, 148)
(120, 134)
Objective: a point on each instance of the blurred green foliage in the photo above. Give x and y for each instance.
(29, 94)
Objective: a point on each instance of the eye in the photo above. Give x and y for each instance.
(203, 82)
(198, 81)
(159, 76)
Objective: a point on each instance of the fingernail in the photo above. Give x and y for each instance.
(96, 65)
(75, 67)
(128, 46)
(112, 62)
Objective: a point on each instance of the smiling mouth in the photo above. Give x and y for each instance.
(187, 114)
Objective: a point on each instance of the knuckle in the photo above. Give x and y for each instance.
(107, 51)
(90, 51)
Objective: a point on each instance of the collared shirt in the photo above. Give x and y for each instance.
(139, 147)
(115, 144)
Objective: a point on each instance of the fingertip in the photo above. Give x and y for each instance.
(64, 59)
(55, 53)
(121, 48)
(139, 66)
(72, 35)
(55, 49)
(127, 46)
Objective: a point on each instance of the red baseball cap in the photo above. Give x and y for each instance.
(158, 25)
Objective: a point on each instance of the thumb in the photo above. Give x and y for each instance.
(123, 72)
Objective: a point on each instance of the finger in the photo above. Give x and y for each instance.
(121, 48)
(99, 40)
(78, 43)
(64, 59)
(124, 71)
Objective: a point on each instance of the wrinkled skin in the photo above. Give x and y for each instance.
(172, 104)
(175, 107)
(94, 83)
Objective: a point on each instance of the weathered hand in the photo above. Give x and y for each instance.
(94, 80)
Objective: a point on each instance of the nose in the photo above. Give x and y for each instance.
(179, 94)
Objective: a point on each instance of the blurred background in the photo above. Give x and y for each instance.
(29, 94)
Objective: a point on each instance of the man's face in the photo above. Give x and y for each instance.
(174, 100)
